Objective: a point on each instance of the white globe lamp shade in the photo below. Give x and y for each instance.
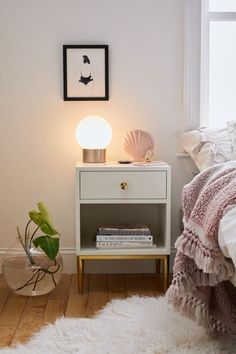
(93, 134)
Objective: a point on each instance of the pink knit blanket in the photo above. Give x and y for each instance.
(200, 287)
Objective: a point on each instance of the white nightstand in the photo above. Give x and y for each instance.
(116, 193)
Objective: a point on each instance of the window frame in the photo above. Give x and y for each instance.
(196, 72)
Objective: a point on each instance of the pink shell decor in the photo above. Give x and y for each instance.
(139, 144)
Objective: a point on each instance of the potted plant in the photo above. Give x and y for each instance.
(35, 266)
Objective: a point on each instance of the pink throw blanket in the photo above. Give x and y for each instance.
(200, 288)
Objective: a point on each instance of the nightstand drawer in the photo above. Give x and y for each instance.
(123, 185)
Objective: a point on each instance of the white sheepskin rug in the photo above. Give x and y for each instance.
(132, 326)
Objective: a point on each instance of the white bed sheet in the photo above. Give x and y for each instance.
(227, 237)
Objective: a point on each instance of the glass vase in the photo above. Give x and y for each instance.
(30, 272)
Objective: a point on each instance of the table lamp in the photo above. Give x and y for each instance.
(93, 134)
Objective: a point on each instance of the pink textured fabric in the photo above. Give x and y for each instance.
(200, 288)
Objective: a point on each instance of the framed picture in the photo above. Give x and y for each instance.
(85, 72)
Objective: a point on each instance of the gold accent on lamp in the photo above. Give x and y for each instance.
(94, 155)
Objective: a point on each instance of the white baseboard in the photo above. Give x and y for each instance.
(69, 261)
(65, 250)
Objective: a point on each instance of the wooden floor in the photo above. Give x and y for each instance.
(22, 316)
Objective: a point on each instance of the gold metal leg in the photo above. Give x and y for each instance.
(166, 271)
(80, 272)
(163, 258)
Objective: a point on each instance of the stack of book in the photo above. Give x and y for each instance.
(124, 236)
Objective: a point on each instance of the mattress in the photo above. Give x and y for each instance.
(227, 237)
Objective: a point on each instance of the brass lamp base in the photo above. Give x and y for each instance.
(94, 155)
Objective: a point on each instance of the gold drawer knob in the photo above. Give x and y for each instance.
(124, 185)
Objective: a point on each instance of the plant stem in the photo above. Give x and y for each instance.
(24, 247)
(40, 272)
(53, 279)
(31, 239)
(27, 283)
(37, 278)
(30, 282)
(27, 233)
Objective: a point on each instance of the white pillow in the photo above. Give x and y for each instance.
(190, 141)
(221, 138)
(207, 147)
(231, 126)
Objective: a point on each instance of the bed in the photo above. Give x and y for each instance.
(204, 277)
(206, 148)
(227, 238)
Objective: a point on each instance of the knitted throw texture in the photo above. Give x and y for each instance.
(200, 287)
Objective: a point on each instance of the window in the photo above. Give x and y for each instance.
(222, 5)
(211, 59)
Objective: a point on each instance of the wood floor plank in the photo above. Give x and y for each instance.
(6, 335)
(13, 309)
(98, 295)
(153, 285)
(57, 301)
(5, 292)
(116, 286)
(78, 302)
(3, 283)
(31, 319)
(62, 289)
(134, 284)
(10, 317)
(4, 295)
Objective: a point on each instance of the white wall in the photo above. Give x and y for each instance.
(38, 150)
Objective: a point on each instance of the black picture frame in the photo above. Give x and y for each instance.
(85, 73)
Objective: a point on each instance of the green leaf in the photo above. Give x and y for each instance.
(49, 245)
(43, 219)
(49, 230)
(36, 217)
(45, 213)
